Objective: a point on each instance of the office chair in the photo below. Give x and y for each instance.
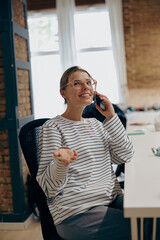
(29, 138)
(29, 141)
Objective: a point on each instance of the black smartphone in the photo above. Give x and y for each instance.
(99, 102)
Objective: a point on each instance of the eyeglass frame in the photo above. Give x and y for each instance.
(94, 83)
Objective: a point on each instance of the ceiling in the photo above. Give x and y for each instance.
(34, 5)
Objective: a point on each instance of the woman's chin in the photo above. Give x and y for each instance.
(87, 103)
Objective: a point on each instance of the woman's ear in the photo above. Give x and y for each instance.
(62, 93)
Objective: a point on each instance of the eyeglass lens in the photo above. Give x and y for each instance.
(79, 83)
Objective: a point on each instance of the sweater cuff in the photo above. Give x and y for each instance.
(58, 170)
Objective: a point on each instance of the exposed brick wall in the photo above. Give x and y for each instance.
(142, 45)
(18, 9)
(21, 48)
(21, 52)
(6, 203)
(24, 93)
(140, 97)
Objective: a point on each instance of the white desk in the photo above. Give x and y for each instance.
(142, 176)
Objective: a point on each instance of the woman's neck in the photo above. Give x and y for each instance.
(74, 115)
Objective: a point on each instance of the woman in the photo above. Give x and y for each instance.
(75, 170)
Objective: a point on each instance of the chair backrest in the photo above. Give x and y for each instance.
(90, 111)
(29, 141)
(28, 136)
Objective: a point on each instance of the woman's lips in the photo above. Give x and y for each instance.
(85, 95)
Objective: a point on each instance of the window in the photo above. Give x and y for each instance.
(94, 48)
(45, 62)
(43, 29)
(94, 53)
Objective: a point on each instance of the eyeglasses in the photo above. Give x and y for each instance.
(91, 83)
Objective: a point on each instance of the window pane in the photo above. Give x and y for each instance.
(43, 32)
(46, 76)
(101, 66)
(92, 29)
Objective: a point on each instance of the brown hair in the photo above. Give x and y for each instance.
(67, 73)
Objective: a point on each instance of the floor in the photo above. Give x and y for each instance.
(33, 232)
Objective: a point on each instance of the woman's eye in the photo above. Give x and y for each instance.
(89, 82)
(77, 83)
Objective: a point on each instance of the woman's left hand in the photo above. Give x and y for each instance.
(109, 112)
(67, 154)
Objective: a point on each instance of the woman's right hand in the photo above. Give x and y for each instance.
(66, 153)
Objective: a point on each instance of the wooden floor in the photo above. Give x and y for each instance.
(33, 232)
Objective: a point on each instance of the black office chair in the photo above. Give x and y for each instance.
(29, 141)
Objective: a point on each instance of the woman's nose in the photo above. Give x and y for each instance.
(85, 85)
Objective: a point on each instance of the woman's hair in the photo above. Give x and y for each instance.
(67, 73)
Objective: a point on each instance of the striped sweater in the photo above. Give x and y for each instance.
(72, 189)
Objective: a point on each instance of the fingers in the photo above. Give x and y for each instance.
(109, 110)
(68, 155)
(99, 109)
(57, 153)
(75, 155)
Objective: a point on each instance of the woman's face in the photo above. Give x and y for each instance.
(78, 94)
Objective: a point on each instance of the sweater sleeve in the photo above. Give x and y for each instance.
(52, 174)
(121, 147)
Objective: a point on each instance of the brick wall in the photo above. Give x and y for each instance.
(24, 93)
(5, 173)
(21, 52)
(142, 45)
(18, 10)
(6, 203)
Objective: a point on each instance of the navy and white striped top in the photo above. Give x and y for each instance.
(90, 181)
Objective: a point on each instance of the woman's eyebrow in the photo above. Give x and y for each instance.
(81, 79)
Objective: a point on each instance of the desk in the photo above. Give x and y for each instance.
(142, 178)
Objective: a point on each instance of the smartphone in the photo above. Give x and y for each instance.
(99, 102)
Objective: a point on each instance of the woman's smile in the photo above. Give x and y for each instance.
(85, 95)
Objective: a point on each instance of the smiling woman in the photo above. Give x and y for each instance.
(75, 170)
